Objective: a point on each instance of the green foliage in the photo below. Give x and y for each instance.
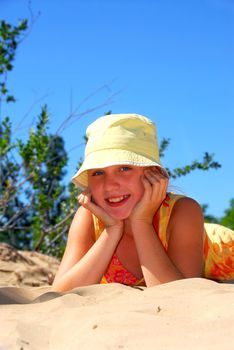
(35, 204)
(228, 219)
(206, 164)
(10, 37)
(208, 217)
(12, 208)
(44, 160)
(163, 146)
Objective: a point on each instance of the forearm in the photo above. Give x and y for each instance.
(156, 266)
(91, 267)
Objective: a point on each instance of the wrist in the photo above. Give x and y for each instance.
(143, 222)
(116, 229)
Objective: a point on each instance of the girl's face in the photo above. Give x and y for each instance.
(117, 188)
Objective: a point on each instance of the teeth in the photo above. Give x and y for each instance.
(117, 199)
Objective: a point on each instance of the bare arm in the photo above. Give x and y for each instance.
(184, 256)
(186, 232)
(185, 250)
(85, 261)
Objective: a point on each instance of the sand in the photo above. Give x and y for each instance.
(25, 268)
(186, 315)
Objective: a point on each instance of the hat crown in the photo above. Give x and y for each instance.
(129, 132)
(130, 122)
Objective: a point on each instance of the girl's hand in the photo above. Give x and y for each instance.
(85, 199)
(155, 185)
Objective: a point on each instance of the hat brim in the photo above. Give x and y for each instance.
(110, 157)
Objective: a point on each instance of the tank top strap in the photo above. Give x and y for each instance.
(98, 227)
(162, 217)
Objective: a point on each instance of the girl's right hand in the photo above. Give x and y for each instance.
(85, 199)
(155, 190)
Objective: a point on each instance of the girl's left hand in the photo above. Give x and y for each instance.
(155, 190)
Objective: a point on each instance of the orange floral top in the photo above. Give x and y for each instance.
(218, 248)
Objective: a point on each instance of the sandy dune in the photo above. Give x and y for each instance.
(186, 314)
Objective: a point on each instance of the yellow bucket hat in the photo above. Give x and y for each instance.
(119, 139)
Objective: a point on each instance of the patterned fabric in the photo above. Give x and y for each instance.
(218, 248)
(119, 274)
(218, 252)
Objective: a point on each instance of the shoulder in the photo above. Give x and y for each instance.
(83, 214)
(186, 213)
(186, 204)
(180, 200)
(82, 225)
(177, 203)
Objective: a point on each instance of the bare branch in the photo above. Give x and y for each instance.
(31, 107)
(61, 223)
(77, 115)
(15, 217)
(32, 22)
(58, 236)
(52, 229)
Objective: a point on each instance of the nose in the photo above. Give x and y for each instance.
(111, 182)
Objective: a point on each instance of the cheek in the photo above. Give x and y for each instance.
(97, 195)
(138, 189)
(94, 192)
(94, 189)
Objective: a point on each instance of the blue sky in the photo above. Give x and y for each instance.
(169, 60)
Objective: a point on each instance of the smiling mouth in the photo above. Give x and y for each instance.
(117, 200)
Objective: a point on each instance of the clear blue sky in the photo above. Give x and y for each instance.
(169, 60)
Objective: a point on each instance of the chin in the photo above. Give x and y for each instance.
(119, 216)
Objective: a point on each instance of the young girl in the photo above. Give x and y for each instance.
(129, 229)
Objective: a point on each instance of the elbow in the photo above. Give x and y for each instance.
(157, 282)
(60, 286)
(57, 288)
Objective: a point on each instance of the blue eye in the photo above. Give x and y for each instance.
(125, 168)
(97, 173)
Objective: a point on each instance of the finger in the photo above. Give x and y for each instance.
(147, 189)
(160, 189)
(153, 175)
(84, 198)
(153, 179)
(160, 171)
(159, 184)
